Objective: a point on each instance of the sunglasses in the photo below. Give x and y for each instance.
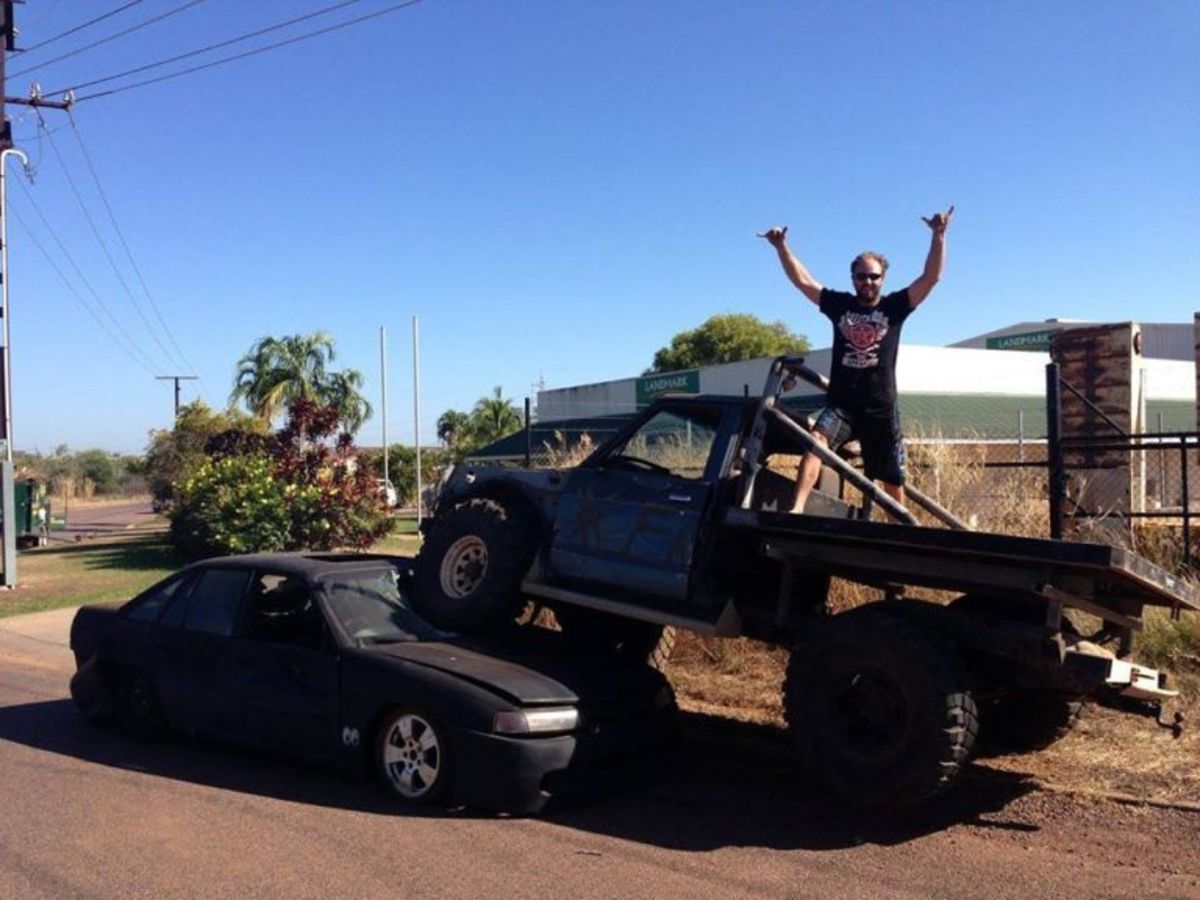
(868, 276)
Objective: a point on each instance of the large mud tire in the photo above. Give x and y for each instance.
(601, 632)
(467, 575)
(1025, 721)
(880, 711)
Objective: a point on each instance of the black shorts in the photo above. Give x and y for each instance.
(878, 433)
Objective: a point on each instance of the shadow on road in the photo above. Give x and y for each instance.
(727, 784)
(736, 784)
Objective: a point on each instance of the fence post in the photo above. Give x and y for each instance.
(528, 435)
(1185, 503)
(1054, 452)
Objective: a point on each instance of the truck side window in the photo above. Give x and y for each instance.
(678, 441)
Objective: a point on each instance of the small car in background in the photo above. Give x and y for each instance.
(319, 656)
(388, 490)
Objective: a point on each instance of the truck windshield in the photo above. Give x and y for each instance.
(676, 441)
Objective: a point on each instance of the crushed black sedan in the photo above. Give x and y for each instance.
(320, 656)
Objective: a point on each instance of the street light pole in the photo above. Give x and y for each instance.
(383, 408)
(9, 577)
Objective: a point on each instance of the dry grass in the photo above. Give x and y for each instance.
(734, 677)
(558, 454)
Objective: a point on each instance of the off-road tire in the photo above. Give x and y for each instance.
(603, 632)
(468, 573)
(880, 711)
(1025, 721)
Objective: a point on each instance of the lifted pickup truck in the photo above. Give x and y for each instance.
(675, 522)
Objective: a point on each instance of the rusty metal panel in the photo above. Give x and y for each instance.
(1104, 365)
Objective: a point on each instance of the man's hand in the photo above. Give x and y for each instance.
(775, 236)
(938, 221)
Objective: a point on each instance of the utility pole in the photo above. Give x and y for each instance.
(8, 507)
(176, 379)
(8, 525)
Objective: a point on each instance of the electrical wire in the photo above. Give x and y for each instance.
(311, 34)
(202, 50)
(111, 37)
(125, 244)
(104, 247)
(86, 24)
(129, 346)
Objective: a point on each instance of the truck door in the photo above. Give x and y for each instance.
(629, 518)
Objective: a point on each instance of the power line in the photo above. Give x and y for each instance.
(128, 253)
(86, 24)
(104, 247)
(111, 37)
(129, 347)
(202, 50)
(248, 53)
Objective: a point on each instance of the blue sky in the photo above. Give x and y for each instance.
(556, 188)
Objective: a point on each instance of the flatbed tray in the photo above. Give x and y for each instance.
(877, 552)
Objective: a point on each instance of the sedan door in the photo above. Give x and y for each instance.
(285, 669)
(191, 662)
(630, 519)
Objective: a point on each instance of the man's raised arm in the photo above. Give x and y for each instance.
(792, 267)
(935, 261)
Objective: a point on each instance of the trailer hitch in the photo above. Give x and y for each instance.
(1175, 725)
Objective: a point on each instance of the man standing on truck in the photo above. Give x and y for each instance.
(862, 372)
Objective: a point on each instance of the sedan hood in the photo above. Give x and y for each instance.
(512, 680)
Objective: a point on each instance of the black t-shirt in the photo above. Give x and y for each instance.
(862, 373)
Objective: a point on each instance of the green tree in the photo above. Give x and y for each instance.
(175, 454)
(727, 338)
(402, 469)
(98, 467)
(275, 371)
(342, 391)
(493, 417)
(304, 488)
(454, 430)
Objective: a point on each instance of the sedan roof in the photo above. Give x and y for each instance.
(307, 563)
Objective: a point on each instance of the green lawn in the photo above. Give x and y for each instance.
(88, 572)
(117, 568)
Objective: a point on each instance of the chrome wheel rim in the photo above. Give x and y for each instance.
(464, 566)
(412, 756)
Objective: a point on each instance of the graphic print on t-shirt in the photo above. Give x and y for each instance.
(863, 333)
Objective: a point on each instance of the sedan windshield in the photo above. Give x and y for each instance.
(371, 610)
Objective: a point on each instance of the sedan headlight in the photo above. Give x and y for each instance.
(536, 721)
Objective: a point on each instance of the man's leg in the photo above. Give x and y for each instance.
(883, 454)
(810, 471)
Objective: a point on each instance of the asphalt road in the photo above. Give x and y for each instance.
(87, 813)
(100, 520)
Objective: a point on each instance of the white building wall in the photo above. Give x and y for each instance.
(955, 371)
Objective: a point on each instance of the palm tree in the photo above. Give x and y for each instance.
(453, 427)
(341, 390)
(275, 371)
(494, 417)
